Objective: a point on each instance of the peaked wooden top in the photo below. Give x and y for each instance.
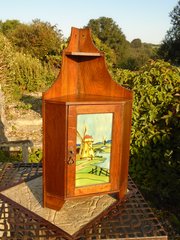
(84, 71)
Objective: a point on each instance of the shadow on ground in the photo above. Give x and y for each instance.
(31, 102)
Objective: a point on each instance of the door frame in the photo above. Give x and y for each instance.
(116, 149)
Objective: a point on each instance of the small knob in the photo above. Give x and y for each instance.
(70, 156)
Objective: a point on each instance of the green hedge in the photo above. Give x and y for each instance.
(21, 73)
(155, 163)
(30, 74)
(6, 55)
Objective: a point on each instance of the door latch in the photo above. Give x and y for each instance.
(70, 156)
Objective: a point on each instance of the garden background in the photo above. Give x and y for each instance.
(30, 59)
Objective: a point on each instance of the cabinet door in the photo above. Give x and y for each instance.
(94, 149)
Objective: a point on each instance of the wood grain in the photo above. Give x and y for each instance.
(86, 72)
(83, 86)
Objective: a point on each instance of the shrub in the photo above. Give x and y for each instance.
(35, 156)
(6, 156)
(29, 74)
(39, 39)
(6, 55)
(154, 162)
(20, 73)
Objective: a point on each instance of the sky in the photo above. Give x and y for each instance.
(145, 19)
(94, 124)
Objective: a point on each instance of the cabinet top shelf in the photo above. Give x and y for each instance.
(90, 54)
(87, 99)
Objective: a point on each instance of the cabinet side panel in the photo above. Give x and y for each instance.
(116, 148)
(54, 150)
(127, 118)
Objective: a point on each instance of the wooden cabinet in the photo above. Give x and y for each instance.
(86, 127)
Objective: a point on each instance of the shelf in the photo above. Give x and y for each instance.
(90, 54)
(87, 99)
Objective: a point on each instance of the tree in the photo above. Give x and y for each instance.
(136, 43)
(127, 55)
(170, 48)
(40, 39)
(110, 55)
(138, 54)
(8, 26)
(110, 34)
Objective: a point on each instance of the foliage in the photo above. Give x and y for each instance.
(136, 43)
(40, 39)
(154, 140)
(170, 48)
(35, 156)
(155, 135)
(27, 75)
(111, 35)
(8, 26)
(6, 55)
(5, 156)
(44, 41)
(110, 55)
(123, 54)
(21, 73)
(24, 106)
(138, 54)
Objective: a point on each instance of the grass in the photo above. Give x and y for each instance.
(83, 175)
(85, 179)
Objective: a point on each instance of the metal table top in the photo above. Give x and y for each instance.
(129, 219)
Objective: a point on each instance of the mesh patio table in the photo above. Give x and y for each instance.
(131, 218)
